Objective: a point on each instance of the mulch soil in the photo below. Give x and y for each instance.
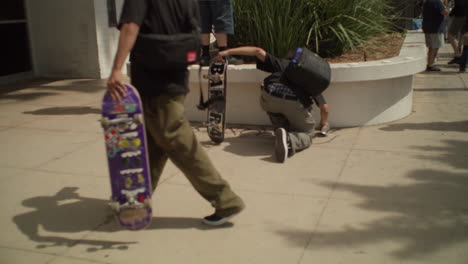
(378, 48)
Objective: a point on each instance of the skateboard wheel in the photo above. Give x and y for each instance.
(138, 119)
(217, 140)
(105, 123)
(115, 206)
(122, 126)
(147, 203)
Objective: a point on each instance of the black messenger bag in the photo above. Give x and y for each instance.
(166, 52)
(169, 51)
(307, 72)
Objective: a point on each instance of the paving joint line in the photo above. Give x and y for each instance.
(329, 198)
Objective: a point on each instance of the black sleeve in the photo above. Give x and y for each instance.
(319, 99)
(195, 14)
(272, 64)
(133, 11)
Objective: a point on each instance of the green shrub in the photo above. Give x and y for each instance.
(328, 27)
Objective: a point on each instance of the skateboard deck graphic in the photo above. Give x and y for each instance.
(216, 114)
(127, 157)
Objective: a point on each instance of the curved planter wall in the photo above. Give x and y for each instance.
(360, 94)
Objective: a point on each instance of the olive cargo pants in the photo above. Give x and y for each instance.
(170, 135)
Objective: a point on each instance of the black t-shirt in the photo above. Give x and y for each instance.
(273, 65)
(160, 17)
(459, 9)
(276, 67)
(433, 20)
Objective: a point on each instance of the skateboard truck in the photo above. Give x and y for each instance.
(133, 200)
(215, 78)
(137, 119)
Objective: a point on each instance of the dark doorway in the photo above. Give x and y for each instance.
(14, 47)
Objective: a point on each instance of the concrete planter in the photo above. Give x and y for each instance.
(364, 93)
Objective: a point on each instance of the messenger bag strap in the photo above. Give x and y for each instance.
(201, 104)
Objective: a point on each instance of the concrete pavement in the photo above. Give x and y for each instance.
(393, 193)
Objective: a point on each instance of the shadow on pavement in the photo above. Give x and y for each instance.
(33, 89)
(246, 141)
(26, 96)
(440, 89)
(183, 223)
(71, 110)
(438, 73)
(23, 84)
(68, 212)
(77, 85)
(422, 217)
(65, 212)
(458, 126)
(425, 218)
(246, 147)
(454, 153)
(249, 147)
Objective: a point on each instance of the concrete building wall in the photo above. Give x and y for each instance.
(107, 37)
(70, 38)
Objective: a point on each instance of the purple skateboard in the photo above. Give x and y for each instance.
(127, 157)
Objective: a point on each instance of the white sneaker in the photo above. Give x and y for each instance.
(281, 144)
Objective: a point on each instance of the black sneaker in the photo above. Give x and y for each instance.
(462, 70)
(432, 68)
(281, 144)
(455, 60)
(205, 60)
(215, 220)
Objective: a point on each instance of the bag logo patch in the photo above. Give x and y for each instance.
(191, 56)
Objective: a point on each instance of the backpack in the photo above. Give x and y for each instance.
(169, 52)
(307, 72)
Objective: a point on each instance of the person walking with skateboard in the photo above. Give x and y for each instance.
(163, 92)
(289, 112)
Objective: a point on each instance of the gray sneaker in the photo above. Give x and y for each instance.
(281, 144)
(324, 130)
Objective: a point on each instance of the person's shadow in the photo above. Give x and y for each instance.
(68, 212)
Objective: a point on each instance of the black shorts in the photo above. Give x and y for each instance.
(218, 14)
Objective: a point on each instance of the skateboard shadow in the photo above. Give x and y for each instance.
(183, 223)
(456, 126)
(58, 220)
(55, 84)
(67, 212)
(69, 110)
(26, 96)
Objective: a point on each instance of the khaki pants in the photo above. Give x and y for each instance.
(465, 39)
(293, 117)
(170, 136)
